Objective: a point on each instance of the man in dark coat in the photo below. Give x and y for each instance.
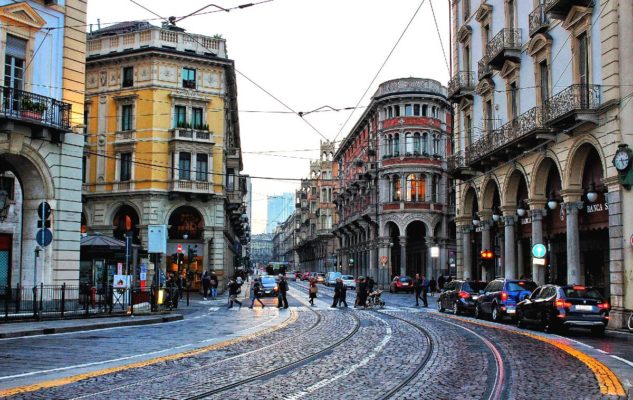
(337, 294)
(417, 289)
(281, 295)
(206, 284)
(362, 293)
(342, 292)
(234, 289)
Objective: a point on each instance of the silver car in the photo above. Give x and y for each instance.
(348, 281)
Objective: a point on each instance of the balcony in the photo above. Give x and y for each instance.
(124, 137)
(558, 9)
(538, 20)
(483, 69)
(461, 85)
(234, 197)
(47, 118)
(506, 45)
(191, 186)
(192, 135)
(574, 105)
(456, 167)
(233, 158)
(507, 141)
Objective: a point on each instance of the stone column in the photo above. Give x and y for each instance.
(486, 243)
(467, 250)
(538, 271)
(520, 259)
(616, 251)
(403, 255)
(509, 245)
(573, 243)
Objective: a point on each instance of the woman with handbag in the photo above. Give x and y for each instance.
(313, 290)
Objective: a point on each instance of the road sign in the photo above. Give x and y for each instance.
(179, 249)
(44, 237)
(383, 260)
(538, 261)
(539, 250)
(44, 210)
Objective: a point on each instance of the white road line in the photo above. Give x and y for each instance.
(624, 360)
(351, 369)
(601, 351)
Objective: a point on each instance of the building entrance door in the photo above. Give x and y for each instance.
(5, 262)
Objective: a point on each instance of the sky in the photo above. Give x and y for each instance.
(306, 54)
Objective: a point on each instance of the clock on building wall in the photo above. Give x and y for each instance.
(622, 162)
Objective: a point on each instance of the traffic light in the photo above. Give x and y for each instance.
(181, 258)
(192, 253)
(487, 258)
(174, 258)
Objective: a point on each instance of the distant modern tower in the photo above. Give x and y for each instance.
(279, 209)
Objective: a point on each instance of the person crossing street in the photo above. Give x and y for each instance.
(256, 293)
(282, 300)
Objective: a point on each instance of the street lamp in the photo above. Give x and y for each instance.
(475, 220)
(521, 209)
(592, 195)
(495, 214)
(551, 202)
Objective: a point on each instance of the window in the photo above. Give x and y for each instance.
(510, 15)
(389, 112)
(466, 9)
(230, 179)
(390, 146)
(488, 115)
(396, 144)
(466, 60)
(425, 110)
(196, 118)
(15, 54)
(396, 110)
(202, 163)
(408, 110)
(126, 167)
(416, 144)
(415, 187)
(189, 78)
(184, 166)
(514, 101)
(583, 59)
(84, 164)
(180, 117)
(127, 117)
(395, 188)
(544, 80)
(128, 77)
(408, 143)
(416, 110)
(468, 126)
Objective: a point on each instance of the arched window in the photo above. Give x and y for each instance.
(436, 144)
(396, 144)
(395, 188)
(425, 144)
(416, 143)
(425, 110)
(389, 112)
(390, 146)
(408, 143)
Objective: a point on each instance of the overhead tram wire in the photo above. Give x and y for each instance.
(242, 74)
(381, 68)
(439, 36)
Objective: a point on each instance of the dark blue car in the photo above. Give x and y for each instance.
(501, 297)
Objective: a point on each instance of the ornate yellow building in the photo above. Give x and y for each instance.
(163, 143)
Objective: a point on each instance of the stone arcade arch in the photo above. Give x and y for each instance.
(416, 248)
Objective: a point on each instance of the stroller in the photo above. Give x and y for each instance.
(374, 300)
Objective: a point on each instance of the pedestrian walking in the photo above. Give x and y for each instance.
(343, 292)
(432, 286)
(281, 294)
(425, 290)
(312, 291)
(213, 279)
(417, 289)
(362, 293)
(337, 294)
(256, 293)
(234, 290)
(206, 284)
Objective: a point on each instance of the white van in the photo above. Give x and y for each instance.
(331, 277)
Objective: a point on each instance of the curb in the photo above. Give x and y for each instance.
(91, 326)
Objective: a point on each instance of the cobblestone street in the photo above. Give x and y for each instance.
(316, 352)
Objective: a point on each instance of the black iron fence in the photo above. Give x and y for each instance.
(23, 105)
(67, 301)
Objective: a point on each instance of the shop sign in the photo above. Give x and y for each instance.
(526, 221)
(598, 207)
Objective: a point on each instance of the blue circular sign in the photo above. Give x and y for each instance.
(44, 237)
(539, 250)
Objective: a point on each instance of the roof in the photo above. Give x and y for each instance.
(121, 27)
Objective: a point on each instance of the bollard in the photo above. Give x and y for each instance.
(35, 301)
(63, 298)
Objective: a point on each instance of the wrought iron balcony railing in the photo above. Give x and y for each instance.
(456, 162)
(461, 83)
(34, 109)
(504, 45)
(573, 100)
(538, 20)
(483, 69)
(559, 9)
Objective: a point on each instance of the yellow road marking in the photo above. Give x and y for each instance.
(75, 378)
(607, 380)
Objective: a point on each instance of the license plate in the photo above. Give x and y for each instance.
(405, 284)
(475, 297)
(583, 308)
(511, 311)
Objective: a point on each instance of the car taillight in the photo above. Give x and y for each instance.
(504, 296)
(603, 306)
(560, 303)
(464, 295)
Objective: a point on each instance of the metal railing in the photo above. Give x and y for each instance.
(34, 108)
(573, 98)
(538, 20)
(483, 69)
(461, 80)
(74, 301)
(507, 38)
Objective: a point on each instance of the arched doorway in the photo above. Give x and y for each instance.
(126, 221)
(549, 185)
(416, 248)
(186, 228)
(517, 196)
(471, 242)
(394, 246)
(492, 232)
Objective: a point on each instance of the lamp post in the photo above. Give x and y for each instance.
(36, 253)
(435, 254)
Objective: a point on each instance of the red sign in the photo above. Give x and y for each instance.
(179, 249)
(383, 260)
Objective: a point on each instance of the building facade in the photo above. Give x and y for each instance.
(41, 113)
(395, 215)
(538, 123)
(163, 143)
(279, 208)
(262, 249)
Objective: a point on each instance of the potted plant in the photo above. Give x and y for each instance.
(32, 109)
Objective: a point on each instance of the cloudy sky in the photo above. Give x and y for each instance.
(307, 54)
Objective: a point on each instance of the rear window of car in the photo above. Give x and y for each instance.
(405, 279)
(473, 287)
(347, 277)
(268, 279)
(320, 274)
(520, 286)
(587, 293)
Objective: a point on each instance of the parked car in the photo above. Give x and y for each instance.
(269, 285)
(331, 277)
(401, 284)
(460, 296)
(320, 277)
(501, 296)
(560, 307)
(348, 281)
(305, 276)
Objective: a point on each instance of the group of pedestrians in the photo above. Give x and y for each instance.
(340, 294)
(209, 284)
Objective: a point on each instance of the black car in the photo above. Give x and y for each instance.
(560, 307)
(501, 296)
(460, 296)
(269, 285)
